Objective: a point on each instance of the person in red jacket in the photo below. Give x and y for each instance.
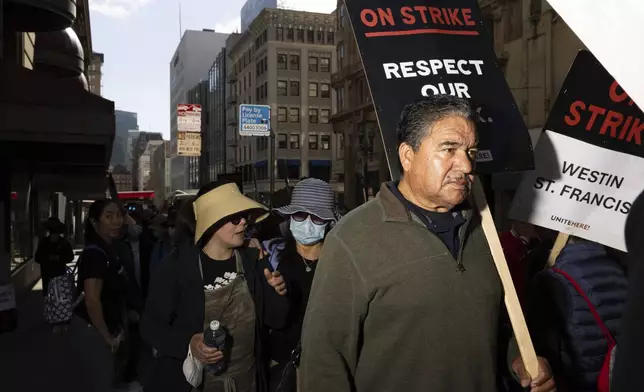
(516, 243)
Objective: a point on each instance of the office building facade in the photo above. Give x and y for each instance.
(190, 64)
(139, 148)
(122, 178)
(213, 152)
(126, 122)
(285, 59)
(160, 173)
(199, 95)
(132, 137)
(145, 164)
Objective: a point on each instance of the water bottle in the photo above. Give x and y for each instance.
(215, 336)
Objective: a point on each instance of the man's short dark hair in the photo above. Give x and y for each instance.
(418, 117)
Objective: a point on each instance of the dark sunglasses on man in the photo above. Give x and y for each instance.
(301, 217)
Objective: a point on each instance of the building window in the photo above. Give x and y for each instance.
(289, 34)
(294, 141)
(313, 116)
(313, 142)
(281, 61)
(281, 87)
(325, 64)
(340, 95)
(294, 115)
(280, 33)
(295, 62)
(325, 90)
(295, 88)
(320, 37)
(325, 142)
(281, 114)
(313, 64)
(341, 17)
(310, 37)
(329, 38)
(341, 142)
(324, 116)
(340, 54)
(281, 140)
(313, 89)
(300, 35)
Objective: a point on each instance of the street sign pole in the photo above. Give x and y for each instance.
(271, 155)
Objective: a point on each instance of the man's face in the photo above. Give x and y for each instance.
(440, 173)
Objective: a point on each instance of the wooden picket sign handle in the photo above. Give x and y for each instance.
(560, 243)
(512, 304)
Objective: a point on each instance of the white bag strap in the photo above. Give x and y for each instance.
(192, 370)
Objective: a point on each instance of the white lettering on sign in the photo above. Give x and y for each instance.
(436, 67)
(578, 187)
(420, 68)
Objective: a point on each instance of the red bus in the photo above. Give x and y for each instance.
(136, 195)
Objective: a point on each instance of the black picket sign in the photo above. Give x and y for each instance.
(411, 50)
(592, 107)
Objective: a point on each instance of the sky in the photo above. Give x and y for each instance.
(139, 37)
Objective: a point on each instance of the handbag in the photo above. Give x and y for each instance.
(192, 369)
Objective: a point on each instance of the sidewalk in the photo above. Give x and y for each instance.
(34, 359)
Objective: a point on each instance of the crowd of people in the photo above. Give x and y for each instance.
(401, 294)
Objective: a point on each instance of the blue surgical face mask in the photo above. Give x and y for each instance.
(307, 232)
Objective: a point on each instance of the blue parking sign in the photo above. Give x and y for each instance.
(254, 120)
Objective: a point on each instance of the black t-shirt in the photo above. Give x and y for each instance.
(217, 273)
(294, 269)
(104, 264)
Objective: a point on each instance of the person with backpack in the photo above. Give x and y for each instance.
(102, 279)
(53, 254)
(575, 313)
(628, 360)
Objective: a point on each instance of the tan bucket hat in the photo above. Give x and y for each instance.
(223, 202)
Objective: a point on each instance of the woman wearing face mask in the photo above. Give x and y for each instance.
(212, 276)
(311, 214)
(102, 278)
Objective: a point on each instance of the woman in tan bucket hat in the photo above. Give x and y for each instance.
(213, 276)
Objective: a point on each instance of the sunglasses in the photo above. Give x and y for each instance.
(235, 220)
(302, 216)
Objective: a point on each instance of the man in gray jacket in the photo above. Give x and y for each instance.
(406, 296)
